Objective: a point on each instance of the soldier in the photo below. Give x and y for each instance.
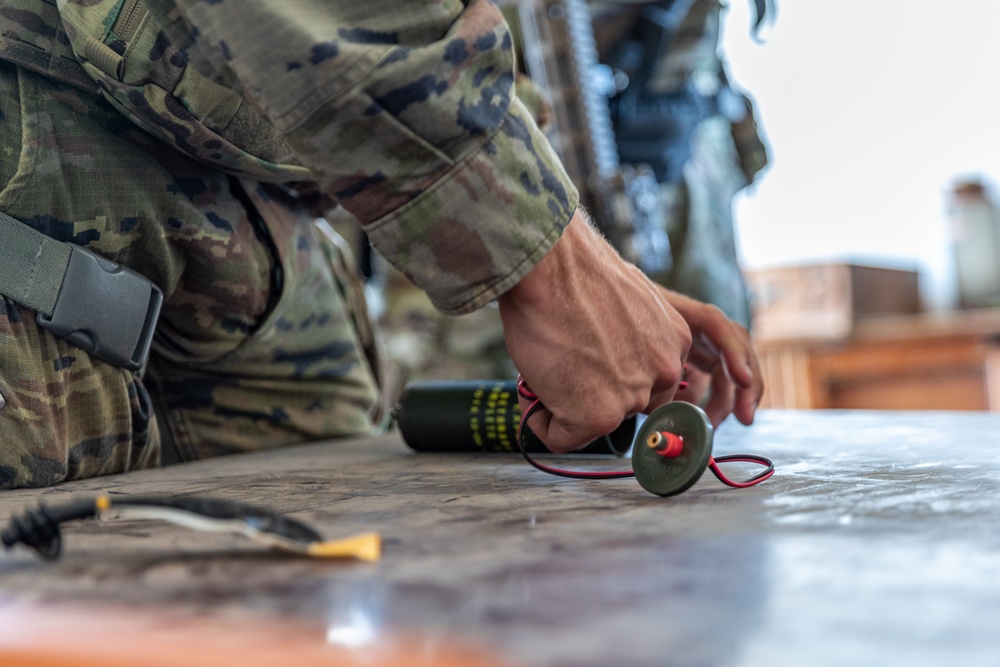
(195, 142)
(680, 114)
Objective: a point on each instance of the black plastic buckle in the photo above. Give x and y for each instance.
(106, 309)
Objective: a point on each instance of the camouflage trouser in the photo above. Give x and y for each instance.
(258, 342)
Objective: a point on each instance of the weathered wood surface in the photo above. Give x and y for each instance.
(875, 543)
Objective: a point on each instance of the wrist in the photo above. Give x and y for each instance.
(580, 248)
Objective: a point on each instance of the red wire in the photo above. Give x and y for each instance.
(713, 465)
(536, 404)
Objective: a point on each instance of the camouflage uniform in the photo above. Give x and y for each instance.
(421, 342)
(726, 152)
(405, 115)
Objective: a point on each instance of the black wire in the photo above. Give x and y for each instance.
(536, 403)
(559, 472)
(38, 527)
(745, 458)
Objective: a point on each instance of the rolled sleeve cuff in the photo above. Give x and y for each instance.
(486, 222)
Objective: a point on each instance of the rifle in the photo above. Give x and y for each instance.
(560, 57)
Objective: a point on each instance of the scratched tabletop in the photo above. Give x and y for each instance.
(877, 542)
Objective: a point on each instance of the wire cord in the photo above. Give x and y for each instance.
(713, 463)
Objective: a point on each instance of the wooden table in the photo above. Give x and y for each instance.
(876, 543)
(913, 362)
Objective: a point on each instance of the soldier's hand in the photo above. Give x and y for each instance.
(722, 351)
(594, 338)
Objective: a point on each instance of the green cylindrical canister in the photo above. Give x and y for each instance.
(479, 416)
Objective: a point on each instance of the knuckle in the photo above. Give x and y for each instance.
(684, 338)
(607, 421)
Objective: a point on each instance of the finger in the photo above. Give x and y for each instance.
(725, 339)
(718, 336)
(747, 400)
(565, 436)
(539, 420)
(697, 387)
(704, 354)
(688, 395)
(669, 383)
(660, 398)
(738, 355)
(723, 399)
(561, 434)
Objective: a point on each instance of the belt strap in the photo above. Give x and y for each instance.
(96, 304)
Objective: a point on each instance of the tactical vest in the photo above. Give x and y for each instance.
(116, 48)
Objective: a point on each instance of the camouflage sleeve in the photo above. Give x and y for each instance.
(405, 112)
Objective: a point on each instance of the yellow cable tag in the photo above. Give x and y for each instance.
(367, 546)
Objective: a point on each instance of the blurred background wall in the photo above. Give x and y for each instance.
(873, 108)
